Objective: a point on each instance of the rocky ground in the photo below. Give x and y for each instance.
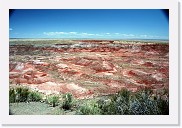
(89, 68)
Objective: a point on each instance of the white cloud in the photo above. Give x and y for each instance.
(128, 35)
(54, 33)
(62, 33)
(143, 35)
(85, 34)
(99, 35)
(59, 33)
(10, 29)
(153, 36)
(49, 33)
(91, 34)
(131, 35)
(68, 33)
(73, 32)
(124, 35)
(150, 36)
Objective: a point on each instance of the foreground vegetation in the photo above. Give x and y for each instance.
(144, 102)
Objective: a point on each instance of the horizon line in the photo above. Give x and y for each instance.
(96, 38)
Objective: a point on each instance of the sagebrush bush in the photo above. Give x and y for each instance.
(163, 106)
(22, 94)
(53, 100)
(144, 102)
(90, 108)
(34, 96)
(67, 101)
(117, 104)
(12, 95)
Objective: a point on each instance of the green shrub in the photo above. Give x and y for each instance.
(122, 102)
(12, 95)
(144, 102)
(107, 107)
(53, 100)
(163, 106)
(67, 101)
(22, 94)
(125, 94)
(90, 108)
(34, 96)
(144, 106)
(117, 104)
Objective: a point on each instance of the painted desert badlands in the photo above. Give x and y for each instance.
(88, 68)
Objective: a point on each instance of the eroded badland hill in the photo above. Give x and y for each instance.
(88, 68)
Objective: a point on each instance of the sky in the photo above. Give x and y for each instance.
(89, 23)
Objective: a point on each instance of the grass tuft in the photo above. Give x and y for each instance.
(35, 96)
(67, 101)
(53, 100)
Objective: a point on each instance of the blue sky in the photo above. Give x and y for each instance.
(89, 23)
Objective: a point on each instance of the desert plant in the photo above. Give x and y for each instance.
(34, 96)
(143, 107)
(107, 106)
(12, 95)
(22, 94)
(125, 94)
(53, 100)
(67, 101)
(144, 102)
(90, 108)
(163, 106)
(117, 104)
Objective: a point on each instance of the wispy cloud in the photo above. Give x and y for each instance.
(144, 36)
(73, 32)
(10, 29)
(99, 34)
(128, 35)
(90, 34)
(55, 33)
(152, 36)
(68, 33)
(85, 34)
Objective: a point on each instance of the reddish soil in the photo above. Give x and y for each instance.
(90, 68)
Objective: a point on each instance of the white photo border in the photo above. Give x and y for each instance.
(171, 119)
